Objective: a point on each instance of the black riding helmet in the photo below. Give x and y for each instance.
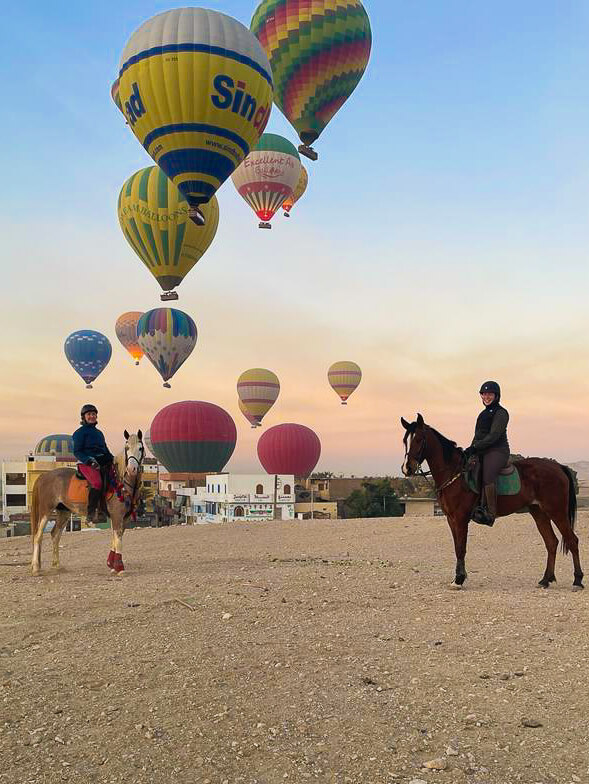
(491, 386)
(86, 410)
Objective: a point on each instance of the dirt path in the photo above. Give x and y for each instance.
(316, 650)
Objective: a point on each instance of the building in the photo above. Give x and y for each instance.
(149, 484)
(242, 498)
(37, 464)
(319, 510)
(417, 507)
(14, 488)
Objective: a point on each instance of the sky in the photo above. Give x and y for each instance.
(442, 241)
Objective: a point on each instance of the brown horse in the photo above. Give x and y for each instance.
(53, 492)
(547, 492)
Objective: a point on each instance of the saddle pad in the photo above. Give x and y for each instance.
(91, 474)
(507, 484)
(77, 491)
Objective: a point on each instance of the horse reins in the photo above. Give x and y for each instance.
(133, 485)
(427, 475)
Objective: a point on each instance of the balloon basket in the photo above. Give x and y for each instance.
(264, 225)
(167, 386)
(88, 386)
(136, 362)
(308, 152)
(286, 214)
(196, 215)
(344, 403)
(167, 296)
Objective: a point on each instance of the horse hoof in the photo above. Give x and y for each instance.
(578, 588)
(456, 586)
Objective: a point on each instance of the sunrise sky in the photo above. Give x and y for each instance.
(442, 241)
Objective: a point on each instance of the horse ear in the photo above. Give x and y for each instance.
(126, 435)
(140, 435)
(420, 421)
(405, 424)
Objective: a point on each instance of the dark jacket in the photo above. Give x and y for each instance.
(491, 429)
(89, 442)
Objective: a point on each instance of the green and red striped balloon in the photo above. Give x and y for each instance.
(318, 51)
(193, 436)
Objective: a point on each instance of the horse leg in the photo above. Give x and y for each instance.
(111, 553)
(459, 530)
(60, 524)
(37, 542)
(571, 544)
(117, 564)
(547, 533)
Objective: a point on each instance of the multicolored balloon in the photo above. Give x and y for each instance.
(88, 352)
(126, 329)
(268, 175)
(193, 436)
(300, 188)
(61, 445)
(289, 449)
(258, 389)
(344, 378)
(318, 52)
(167, 337)
(153, 215)
(196, 89)
(251, 419)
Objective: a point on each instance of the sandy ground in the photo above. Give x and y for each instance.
(318, 650)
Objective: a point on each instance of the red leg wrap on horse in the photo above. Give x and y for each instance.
(110, 559)
(118, 563)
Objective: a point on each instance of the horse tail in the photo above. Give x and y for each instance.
(34, 511)
(572, 505)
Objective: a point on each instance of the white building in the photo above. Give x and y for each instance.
(14, 488)
(242, 497)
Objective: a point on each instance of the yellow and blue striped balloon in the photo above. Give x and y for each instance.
(196, 89)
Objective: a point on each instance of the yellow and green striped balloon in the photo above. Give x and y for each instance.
(257, 389)
(318, 51)
(343, 378)
(154, 219)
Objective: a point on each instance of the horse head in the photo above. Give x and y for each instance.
(134, 452)
(415, 445)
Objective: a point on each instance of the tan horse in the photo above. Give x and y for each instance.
(59, 491)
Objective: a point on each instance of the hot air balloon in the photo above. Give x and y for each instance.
(193, 436)
(147, 441)
(300, 188)
(114, 94)
(318, 52)
(60, 445)
(344, 377)
(126, 329)
(167, 337)
(251, 419)
(88, 352)
(196, 89)
(289, 449)
(258, 389)
(268, 176)
(153, 215)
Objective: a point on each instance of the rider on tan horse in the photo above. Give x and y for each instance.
(90, 449)
(491, 445)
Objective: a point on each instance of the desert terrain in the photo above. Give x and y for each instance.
(267, 653)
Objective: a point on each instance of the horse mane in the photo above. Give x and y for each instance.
(448, 446)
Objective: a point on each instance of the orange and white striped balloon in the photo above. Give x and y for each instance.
(344, 377)
(301, 187)
(258, 389)
(126, 329)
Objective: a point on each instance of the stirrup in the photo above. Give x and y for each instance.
(482, 516)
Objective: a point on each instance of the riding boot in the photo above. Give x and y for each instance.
(485, 515)
(94, 497)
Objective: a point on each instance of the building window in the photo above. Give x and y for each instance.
(259, 489)
(286, 490)
(322, 485)
(218, 488)
(238, 511)
(16, 499)
(16, 479)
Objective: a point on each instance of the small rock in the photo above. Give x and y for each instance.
(57, 739)
(451, 751)
(417, 781)
(519, 673)
(576, 779)
(484, 676)
(505, 676)
(436, 764)
(533, 723)
(226, 616)
(470, 718)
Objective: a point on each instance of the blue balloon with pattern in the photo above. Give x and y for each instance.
(88, 352)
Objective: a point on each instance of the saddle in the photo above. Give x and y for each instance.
(507, 483)
(80, 483)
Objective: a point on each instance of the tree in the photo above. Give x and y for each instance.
(375, 499)
(322, 475)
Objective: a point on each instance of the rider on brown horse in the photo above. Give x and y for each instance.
(491, 445)
(90, 448)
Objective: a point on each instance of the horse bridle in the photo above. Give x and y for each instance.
(128, 484)
(421, 457)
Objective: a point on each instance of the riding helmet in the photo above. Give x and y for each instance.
(491, 386)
